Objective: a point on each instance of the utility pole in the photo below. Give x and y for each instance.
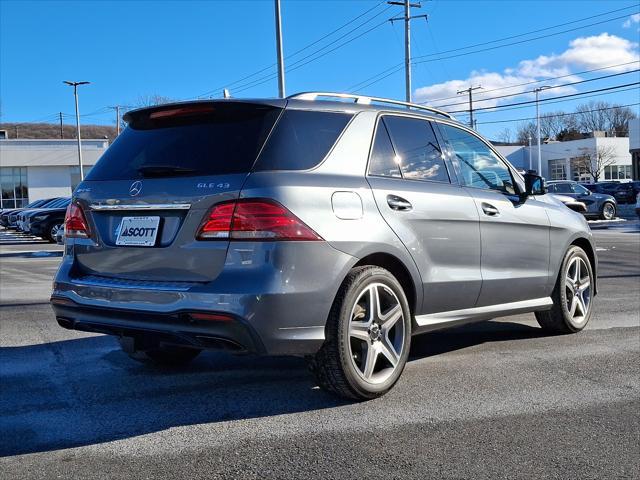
(407, 41)
(537, 91)
(75, 94)
(469, 91)
(61, 126)
(281, 88)
(530, 164)
(16, 132)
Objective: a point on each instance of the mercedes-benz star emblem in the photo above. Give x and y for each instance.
(135, 188)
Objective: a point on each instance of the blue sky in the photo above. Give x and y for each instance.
(183, 49)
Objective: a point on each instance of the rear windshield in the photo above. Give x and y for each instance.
(302, 139)
(224, 140)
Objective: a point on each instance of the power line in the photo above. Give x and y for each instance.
(563, 101)
(315, 42)
(560, 114)
(523, 41)
(546, 79)
(296, 65)
(528, 102)
(552, 86)
(397, 67)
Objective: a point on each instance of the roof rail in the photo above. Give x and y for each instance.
(366, 100)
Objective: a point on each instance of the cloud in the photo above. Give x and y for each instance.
(635, 18)
(584, 53)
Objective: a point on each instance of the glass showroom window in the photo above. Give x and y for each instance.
(617, 172)
(13, 182)
(556, 168)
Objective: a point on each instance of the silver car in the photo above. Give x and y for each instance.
(334, 230)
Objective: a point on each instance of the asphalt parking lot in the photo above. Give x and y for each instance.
(493, 400)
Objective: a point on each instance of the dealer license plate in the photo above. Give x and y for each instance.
(138, 231)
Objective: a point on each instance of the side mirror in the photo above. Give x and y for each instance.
(534, 184)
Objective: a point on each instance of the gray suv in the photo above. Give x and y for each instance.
(334, 230)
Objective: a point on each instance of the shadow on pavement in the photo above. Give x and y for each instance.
(86, 391)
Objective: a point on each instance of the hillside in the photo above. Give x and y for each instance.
(52, 130)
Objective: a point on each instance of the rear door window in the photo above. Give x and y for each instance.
(224, 138)
(416, 147)
(302, 139)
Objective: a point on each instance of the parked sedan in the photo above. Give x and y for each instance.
(599, 205)
(24, 217)
(8, 212)
(47, 223)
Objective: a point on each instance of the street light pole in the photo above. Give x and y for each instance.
(75, 94)
(537, 91)
(281, 87)
(530, 164)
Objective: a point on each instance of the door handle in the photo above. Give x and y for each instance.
(489, 209)
(398, 203)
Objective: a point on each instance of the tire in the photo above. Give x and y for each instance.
(354, 336)
(51, 231)
(608, 211)
(164, 355)
(560, 318)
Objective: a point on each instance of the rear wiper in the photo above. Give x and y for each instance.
(164, 170)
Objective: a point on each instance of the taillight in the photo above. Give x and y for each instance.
(75, 225)
(254, 220)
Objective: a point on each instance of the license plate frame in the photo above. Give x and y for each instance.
(133, 236)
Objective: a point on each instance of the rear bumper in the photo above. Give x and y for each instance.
(277, 294)
(178, 327)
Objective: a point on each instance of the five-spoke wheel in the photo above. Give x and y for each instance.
(571, 296)
(367, 336)
(376, 333)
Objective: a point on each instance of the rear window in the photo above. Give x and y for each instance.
(225, 139)
(302, 139)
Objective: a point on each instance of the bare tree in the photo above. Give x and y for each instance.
(151, 100)
(525, 131)
(618, 120)
(505, 136)
(595, 161)
(592, 116)
(551, 124)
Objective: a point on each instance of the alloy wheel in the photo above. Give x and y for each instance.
(376, 333)
(578, 289)
(55, 229)
(608, 211)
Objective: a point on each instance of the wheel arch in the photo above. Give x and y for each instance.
(398, 269)
(586, 245)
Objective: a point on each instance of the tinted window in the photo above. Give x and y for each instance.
(560, 188)
(579, 189)
(226, 139)
(382, 155)
(479, 165)
(301, 139)
(417, 149)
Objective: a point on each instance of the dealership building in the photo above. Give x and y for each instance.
(35, 169)
(562, 160)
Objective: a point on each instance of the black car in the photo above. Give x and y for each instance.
(625, 193)
(602, 187)
(599, 205)
(4, 216)
(45, 223)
